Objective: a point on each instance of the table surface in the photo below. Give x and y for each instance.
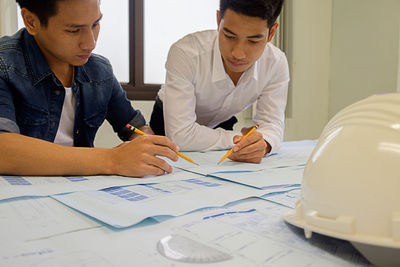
(41, 228)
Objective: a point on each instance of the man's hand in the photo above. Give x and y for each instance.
(252, 149)
(138, 158)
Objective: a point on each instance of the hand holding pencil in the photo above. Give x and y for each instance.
(136, 130)
(250, 148)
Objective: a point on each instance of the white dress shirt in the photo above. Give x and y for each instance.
(198, 94)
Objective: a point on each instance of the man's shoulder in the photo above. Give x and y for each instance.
(11, 42)
(273, 52)
(11, 47)
(197, 42)
(98, 68)
(271, 57)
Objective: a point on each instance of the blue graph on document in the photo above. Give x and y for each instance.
(16, 180)
(125, 194)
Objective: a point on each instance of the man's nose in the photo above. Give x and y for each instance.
(238, 51)
(88, 42)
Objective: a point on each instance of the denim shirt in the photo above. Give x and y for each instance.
(31, 96)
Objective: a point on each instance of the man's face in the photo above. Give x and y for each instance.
(242, 40)
(70, 35)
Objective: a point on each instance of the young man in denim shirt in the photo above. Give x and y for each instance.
(55, 94)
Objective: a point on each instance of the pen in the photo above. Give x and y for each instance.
(136, 130)
(230, 151)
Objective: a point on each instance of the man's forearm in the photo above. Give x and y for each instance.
(21, 155)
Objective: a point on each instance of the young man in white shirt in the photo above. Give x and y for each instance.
(213, 75)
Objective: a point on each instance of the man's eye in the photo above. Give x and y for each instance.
(73, 31)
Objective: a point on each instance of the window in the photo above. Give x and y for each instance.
(155, 25)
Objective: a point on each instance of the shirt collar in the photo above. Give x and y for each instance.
(35, 60)
(252, 72)
(218, 70)
(81, 75)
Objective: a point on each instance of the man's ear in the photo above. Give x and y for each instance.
(272, 31)
(218, 17)
(31, 21)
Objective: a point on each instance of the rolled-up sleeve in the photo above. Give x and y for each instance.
(120, 111)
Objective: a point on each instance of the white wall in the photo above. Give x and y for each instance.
(8, 17)
(365, 50)
(310, 68)
(342, 52)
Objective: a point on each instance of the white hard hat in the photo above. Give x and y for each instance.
(351, 183)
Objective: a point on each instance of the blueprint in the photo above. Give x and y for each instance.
(284, 168)
(287, 198)
(19, 186)
(122, 207)
(37, 218)
(252, 232)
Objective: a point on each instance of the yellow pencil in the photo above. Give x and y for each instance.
(136, 130)
(230, 151)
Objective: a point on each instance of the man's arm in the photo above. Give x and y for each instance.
(22, 155)
(271, 105)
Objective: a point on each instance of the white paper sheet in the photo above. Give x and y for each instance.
(35, 218)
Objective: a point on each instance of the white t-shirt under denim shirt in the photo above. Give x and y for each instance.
(198, 94)
(65, 132)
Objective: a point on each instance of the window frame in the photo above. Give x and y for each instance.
(136, 89)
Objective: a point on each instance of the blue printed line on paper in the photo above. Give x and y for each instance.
(203, 183)
(76, 178)
(228, 213)
(228, 172)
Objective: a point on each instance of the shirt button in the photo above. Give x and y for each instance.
(53, 124)
(57, 92)
(77, 132)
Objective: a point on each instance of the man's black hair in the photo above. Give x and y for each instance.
(43, 9)
(265, 9)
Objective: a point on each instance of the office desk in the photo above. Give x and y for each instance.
(40, 231)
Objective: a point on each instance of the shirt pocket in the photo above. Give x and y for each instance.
(91, 124)
(32, 120)
(95, 120)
